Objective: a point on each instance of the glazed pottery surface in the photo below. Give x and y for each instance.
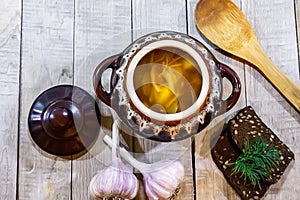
(166, 125)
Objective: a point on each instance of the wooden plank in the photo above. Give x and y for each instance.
(47, 60)
(102, 29)
(149, 16)
(210, 182)
(10, 24)
(297, 16)
(277, 35)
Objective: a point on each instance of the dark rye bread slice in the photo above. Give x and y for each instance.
(247, 125)
(223, 153)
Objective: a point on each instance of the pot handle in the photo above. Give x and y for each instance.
(227, 72)
(108, 63)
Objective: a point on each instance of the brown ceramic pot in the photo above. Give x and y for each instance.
(148, 121)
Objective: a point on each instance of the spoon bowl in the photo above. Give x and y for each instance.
(224, 25)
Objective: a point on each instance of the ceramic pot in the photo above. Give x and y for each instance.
(166, 86)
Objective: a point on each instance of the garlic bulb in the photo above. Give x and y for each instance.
(164, 182)
(162, 179)
(115, 181)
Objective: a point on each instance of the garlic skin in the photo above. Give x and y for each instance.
(115, 181)
(164, 180)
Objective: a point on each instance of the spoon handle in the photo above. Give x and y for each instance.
(288, 89)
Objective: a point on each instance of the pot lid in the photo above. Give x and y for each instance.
(64, 121)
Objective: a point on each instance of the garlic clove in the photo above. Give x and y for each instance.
(150, 194)
(114, 181)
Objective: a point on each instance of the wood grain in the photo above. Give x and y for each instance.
(210, 182)
(100, 32)
(149, 16)
(297, 18)
(64, 40)
(10, 24)
(47, 60)
(276, 34)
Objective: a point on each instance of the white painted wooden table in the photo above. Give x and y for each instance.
(51, 42)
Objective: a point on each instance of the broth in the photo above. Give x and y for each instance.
(167, 80)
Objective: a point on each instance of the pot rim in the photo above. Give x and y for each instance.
(202, 67)
(154, 128)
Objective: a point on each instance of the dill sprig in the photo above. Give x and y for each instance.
(256, 161)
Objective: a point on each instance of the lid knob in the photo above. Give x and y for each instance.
(60, 118)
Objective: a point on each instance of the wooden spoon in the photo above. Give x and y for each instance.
(224, 24)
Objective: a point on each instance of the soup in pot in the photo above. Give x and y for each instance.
(167, 80)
